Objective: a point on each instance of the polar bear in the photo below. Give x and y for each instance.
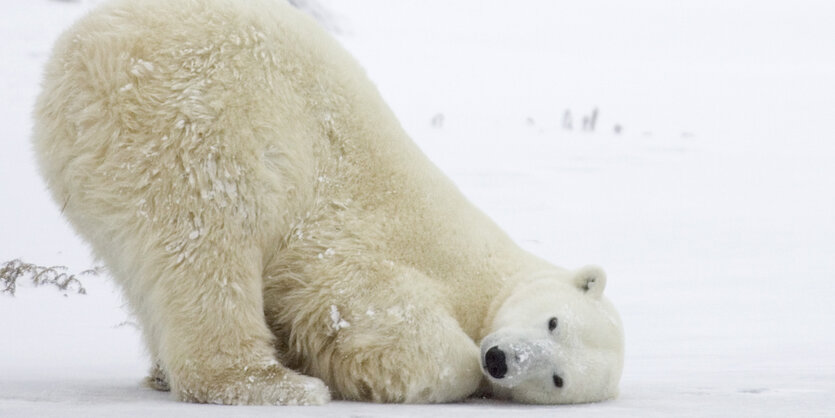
(276, 233)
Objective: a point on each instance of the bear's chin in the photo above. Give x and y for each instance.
(539, 392)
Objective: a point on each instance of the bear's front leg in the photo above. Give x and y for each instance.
(406, 354)
(205, 313)
(395, 342)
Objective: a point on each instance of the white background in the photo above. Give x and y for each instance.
(713, 212)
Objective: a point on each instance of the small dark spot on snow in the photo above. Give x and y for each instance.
(437, 120)
(753, 390)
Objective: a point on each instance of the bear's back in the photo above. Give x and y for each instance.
(154, 111)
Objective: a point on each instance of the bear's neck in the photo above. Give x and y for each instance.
(420, 217)
(431, 227)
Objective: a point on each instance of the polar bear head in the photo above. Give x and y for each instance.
(555, 339)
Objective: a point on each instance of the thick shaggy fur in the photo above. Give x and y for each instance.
(263, 210)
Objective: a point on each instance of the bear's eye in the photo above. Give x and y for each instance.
(557, 381)
(552, 324)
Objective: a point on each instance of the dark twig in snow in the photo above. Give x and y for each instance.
(57, 276)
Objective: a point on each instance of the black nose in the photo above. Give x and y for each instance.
(494, 362)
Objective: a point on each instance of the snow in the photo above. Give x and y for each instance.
(712, 212)
(337, 323)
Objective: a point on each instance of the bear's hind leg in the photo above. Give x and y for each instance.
(156, 378)
(214, 345)
(162, 152)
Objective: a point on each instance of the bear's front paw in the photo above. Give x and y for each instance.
(273, 385)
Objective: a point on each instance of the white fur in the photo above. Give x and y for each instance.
(266, 215)
(585, 349)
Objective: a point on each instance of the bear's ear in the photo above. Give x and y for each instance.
(591, 280)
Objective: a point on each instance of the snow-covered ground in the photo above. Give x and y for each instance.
(713, 211)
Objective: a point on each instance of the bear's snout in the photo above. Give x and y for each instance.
(495, 362)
